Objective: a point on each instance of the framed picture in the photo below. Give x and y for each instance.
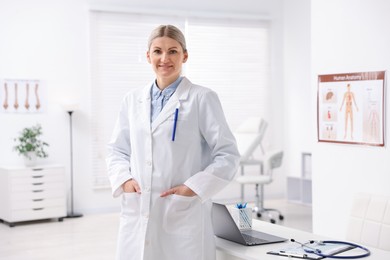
(22, 96)
(351, 108)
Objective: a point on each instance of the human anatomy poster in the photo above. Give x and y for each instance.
(22, 96)
(351, 108)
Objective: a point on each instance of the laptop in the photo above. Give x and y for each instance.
(225, 227)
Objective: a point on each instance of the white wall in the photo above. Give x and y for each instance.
(48, 40)
(296, 80)
(347, 36)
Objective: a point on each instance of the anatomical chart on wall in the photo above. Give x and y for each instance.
(22, 96)
(351, 108)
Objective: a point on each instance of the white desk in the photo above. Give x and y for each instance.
(227, 250)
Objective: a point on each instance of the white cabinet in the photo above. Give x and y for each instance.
(32, 193)
(299, 189)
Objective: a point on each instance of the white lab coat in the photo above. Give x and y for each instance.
(203, 156)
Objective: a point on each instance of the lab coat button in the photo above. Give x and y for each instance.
(147, 189)
(149, 163)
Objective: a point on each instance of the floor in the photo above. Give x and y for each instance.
(94, 236)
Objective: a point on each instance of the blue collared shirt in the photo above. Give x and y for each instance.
(160, 98)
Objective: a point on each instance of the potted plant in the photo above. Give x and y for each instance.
(29, 144)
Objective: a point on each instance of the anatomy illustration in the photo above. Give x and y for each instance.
(329, 95)
(16, 104)
(5, 103)
(329, 132)
(22, 96)
(373, 122)
(26, 104)
(38, 102)
(349, 100)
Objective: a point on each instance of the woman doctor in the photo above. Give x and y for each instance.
(170, 152)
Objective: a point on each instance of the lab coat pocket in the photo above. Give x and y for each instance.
(185, 129)
(130, 207)
(182, 216)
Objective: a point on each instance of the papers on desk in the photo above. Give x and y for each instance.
(299, 251)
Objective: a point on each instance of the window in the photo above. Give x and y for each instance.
(232, 58)
(228, 56)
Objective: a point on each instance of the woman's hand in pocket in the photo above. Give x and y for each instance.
(182, 190)
(131, 186)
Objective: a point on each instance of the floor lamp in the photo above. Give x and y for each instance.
(72, 214)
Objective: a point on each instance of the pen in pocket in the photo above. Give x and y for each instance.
(174, 124)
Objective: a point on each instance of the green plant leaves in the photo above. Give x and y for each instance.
(29, 141)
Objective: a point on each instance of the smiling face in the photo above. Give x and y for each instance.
(166, 56)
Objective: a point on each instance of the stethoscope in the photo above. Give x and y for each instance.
(318, 252)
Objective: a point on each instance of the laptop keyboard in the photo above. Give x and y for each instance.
(250, 240)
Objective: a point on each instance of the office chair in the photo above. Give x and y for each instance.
(369, 222)
(249, 136)
(272, 160)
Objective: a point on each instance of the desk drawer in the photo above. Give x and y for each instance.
(37, 194)
(37, 179)
(37, 186)
(37, 213)
(38, 203)
(29, 172)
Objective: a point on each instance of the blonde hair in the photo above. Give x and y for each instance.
(169, 31)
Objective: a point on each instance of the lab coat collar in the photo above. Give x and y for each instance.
(180, 94)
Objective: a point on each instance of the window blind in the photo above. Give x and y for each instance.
(228, 56)
(231, 57)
